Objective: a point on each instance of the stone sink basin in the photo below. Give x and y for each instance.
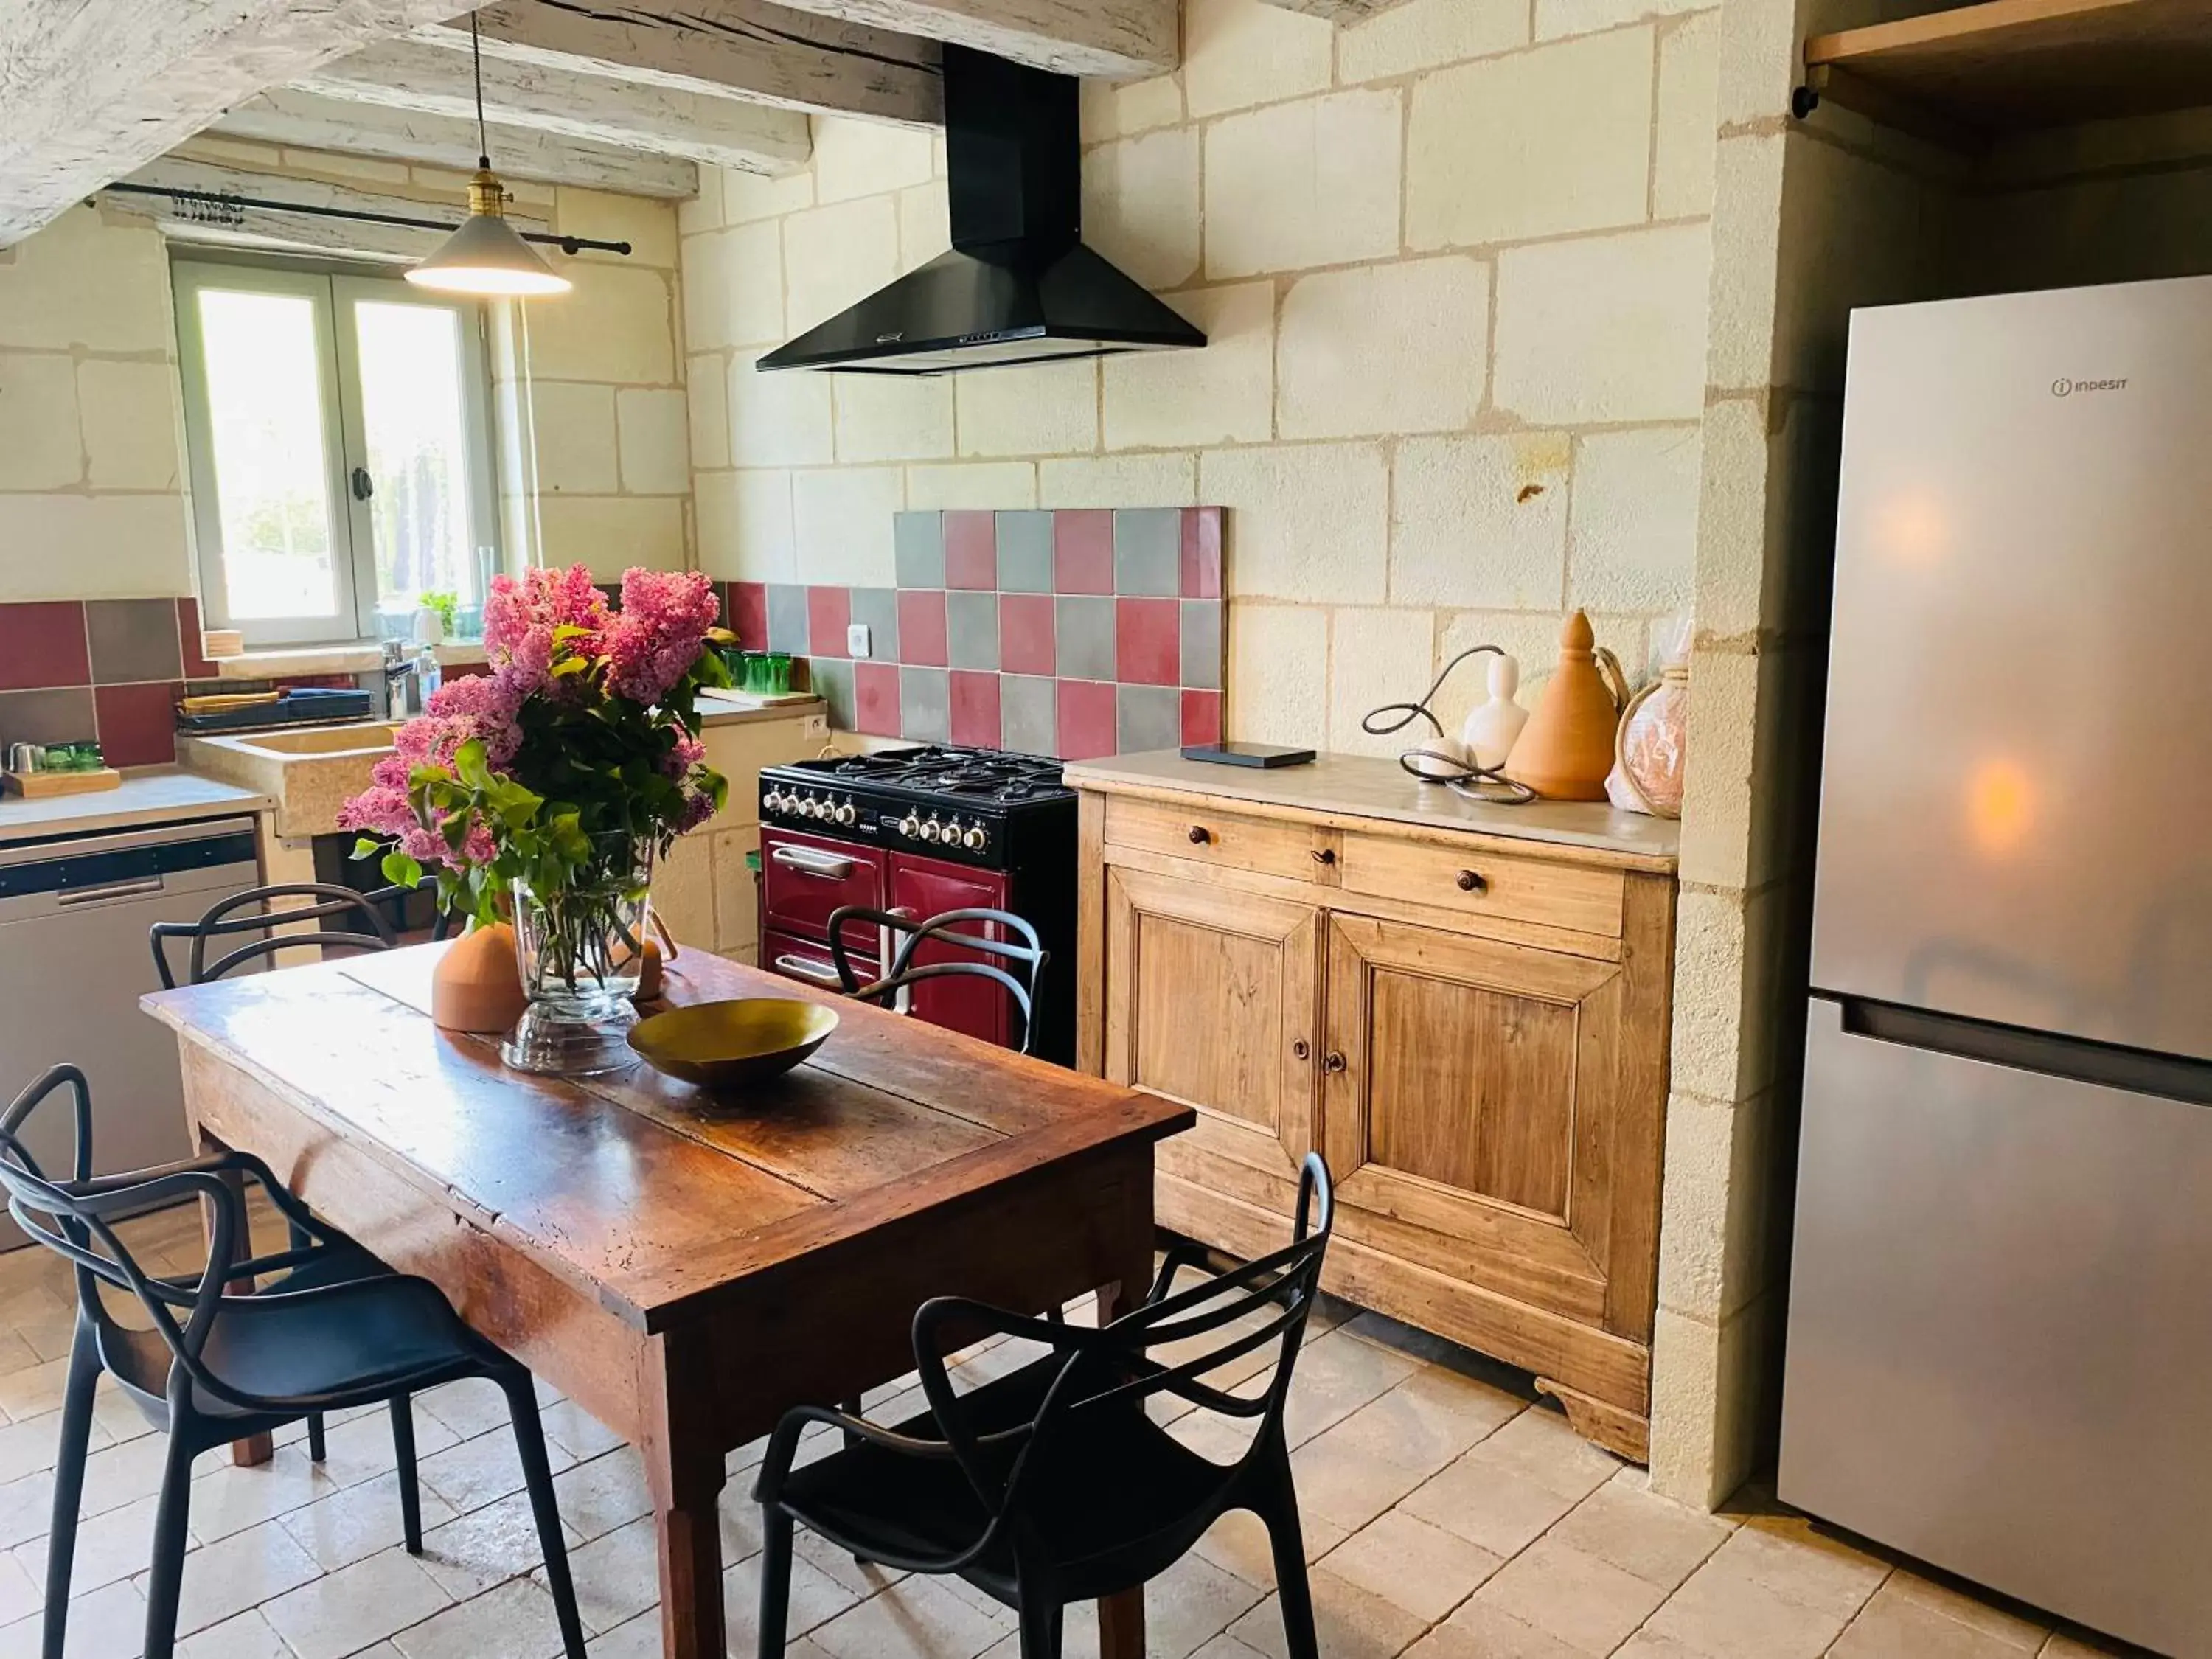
(308, 771)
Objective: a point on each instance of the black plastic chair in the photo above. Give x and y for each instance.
(1053, 1483)
(363, 927)
(219, 1365)
(1027, 958)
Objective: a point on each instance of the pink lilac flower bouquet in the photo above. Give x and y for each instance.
(571, 762)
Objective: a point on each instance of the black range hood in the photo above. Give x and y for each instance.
(1018, 285)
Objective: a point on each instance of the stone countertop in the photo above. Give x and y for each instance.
(1342, 788)
(150, 794)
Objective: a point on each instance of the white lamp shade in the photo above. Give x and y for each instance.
(486, 257)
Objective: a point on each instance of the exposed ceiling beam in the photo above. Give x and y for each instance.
(93, 88)
(1119, 39)
(721, 48)
(634, 115)
(1339, 11)
(264, 227)
(309, 121)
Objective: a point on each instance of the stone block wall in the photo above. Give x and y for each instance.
(1452, 264)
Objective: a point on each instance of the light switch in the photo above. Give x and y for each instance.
(856, 639)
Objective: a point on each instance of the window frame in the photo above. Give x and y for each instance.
(335, 290)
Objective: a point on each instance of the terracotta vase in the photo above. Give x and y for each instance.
(1567, 749)
(475, 985)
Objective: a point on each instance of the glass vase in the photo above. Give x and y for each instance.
(582, 952)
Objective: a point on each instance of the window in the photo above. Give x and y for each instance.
(340, 447)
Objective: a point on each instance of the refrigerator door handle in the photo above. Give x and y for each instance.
(2105, 1064)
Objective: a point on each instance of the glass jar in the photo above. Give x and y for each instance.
(580, 952)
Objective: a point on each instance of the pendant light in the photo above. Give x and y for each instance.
(485, 256)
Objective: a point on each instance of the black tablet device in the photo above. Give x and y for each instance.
(1247, 754)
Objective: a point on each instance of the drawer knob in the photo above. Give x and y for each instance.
(1199, 835)
(1301, 1049)
(1471, 883)
(1334, 1062)
(1324, 855)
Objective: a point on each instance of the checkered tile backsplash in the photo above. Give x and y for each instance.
(1076, 633)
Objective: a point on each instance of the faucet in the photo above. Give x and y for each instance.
(403, 686)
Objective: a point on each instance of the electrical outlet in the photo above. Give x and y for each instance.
(856, 639)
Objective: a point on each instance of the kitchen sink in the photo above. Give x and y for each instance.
(309, 771)
(373, 736)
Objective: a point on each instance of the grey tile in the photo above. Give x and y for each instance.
(1028, 714)
(1085, 628)
(879, 608)
(786, 618)
(1148, 550)
(1148, 717)
(1025, 552)
(1201, 643)
(833, 683)
(63, 715)
(971, 629)
(133, 640)
(918, 541)
(925, 705)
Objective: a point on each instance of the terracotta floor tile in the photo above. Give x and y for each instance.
(1351, 1623)
(1412, 1564)
(1623, 1523)
(1589, 1604)
(1896, 1627)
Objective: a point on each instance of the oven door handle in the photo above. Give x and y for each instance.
(826, 866)
(800, 968)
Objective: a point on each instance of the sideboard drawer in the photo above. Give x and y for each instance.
(1475, 882)
(1200, 832)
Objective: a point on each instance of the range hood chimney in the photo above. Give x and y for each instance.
(1018, 286)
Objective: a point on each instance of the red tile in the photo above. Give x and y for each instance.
(43, 645)
(1201, 717)
(921, 626)
(1148, 642)
(827, 611)
(976, 709)
(1025, 634)
(197, 667)
(748, 609)
(1086, 720)
(1083, 551)
(1201, 553)
(876, 698)
(971, 551)
(137, 724)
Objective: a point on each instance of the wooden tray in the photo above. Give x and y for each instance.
(42, 785)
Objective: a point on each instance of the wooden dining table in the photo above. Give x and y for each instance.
(685, 1267)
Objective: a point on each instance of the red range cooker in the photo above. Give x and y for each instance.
(923, 831)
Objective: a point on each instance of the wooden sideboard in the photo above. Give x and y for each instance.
(1464, 1006)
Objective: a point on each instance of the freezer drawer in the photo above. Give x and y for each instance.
(2000, 1337)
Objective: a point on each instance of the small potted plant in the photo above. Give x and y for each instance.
(547, 787)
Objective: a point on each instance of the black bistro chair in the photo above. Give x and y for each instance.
(361, 919)
(1016, 945)
(219, 1365)
(1053, 1483)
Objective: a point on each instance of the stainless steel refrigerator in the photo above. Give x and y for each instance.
(2000, 1322)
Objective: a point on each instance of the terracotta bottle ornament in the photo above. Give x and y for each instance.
(475, 985)
(1567, 749)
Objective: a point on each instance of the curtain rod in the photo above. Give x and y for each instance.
(220, 207)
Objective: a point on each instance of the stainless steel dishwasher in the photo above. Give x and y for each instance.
(75, 913)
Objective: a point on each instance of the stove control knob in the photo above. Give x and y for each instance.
(773, 801)
(974, 838)
(909, 826)
(846, 813)
(810, 808)
(932, 830)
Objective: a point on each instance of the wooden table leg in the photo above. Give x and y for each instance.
(684, 1469)
(255, 1447)
(1121, 1618)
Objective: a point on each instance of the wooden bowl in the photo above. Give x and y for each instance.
(721, 1045)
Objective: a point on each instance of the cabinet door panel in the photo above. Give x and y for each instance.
(1475, 1101)
(1210, 995)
